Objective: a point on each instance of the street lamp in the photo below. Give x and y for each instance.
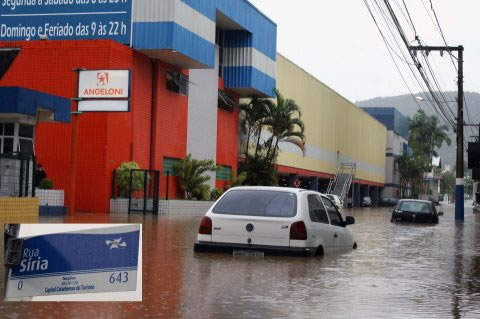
(422, 99)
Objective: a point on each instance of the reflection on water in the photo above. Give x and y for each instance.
(398, 271)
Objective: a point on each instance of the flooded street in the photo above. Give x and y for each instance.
(398, 271)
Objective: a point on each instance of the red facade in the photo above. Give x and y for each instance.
(105, 140)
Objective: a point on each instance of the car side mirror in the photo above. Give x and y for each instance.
(440, 213)
(349, 220)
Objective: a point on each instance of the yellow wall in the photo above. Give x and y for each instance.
(332, 124)
(18, 209)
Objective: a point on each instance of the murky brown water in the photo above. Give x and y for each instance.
(398, 271)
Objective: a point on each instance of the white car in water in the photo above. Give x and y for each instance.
(274, 220)
(335, 199)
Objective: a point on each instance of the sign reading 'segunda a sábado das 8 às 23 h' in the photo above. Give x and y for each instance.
(65, 20)
(97, 260)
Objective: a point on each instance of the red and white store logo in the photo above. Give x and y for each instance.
(100, 84)
(102, 78)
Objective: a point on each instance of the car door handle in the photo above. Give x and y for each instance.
(335, 235)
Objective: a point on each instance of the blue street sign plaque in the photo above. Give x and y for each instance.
(79, 262)
(65, 20)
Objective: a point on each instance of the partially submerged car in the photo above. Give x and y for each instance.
(274, 220)
(366, 201)
(389, 201)
(335, 199)
(414, 210)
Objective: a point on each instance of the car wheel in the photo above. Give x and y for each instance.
(319, 251)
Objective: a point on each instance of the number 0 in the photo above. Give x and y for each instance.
(20, 285)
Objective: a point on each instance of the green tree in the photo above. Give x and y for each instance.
(252, 117)
(122, 178)
(285, 125)
(268, 123)
(447, 184)
(410, 169)
(426, 135)
(191, 173)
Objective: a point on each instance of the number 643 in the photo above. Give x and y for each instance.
(120, 277)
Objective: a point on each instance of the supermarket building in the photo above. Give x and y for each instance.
(189, 63)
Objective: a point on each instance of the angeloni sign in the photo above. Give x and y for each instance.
(103, 84)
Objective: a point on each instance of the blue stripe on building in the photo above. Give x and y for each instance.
(247, 76)
(205, 7)
(263, 31)
(169, 35)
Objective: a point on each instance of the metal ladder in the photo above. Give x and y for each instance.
(340, 184)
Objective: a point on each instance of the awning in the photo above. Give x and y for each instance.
(17, 100)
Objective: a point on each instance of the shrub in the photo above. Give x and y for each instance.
(216, 193)
(45, 184)
(191, 176)
(122, 178)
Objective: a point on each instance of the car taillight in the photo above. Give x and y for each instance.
(205, 226)
(298, 231)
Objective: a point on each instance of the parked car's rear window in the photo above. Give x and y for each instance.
(257, 203)
(415, 207)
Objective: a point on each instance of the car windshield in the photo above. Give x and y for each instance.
(415, 207)
(257, 203)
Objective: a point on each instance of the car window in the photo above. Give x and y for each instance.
(257, 203)
(316, 210)
(415, 207)
(333, 214)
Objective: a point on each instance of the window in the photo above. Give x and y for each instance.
(168, 164)
(25, 138)
(317, 210)
(177, 82)
(16, 137)
(333, 214)
(7, 56)
(225, 101)
(223, 173)
(219, 40)
(257, 203)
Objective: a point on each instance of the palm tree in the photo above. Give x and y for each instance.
(252, 115)
(283, 121)
(286, 125)
(427, 134)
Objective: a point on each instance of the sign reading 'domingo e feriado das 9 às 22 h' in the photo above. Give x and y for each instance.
(65, 20)
(96, 260)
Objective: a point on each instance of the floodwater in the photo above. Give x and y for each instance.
(398, 271)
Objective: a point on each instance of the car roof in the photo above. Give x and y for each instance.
(415, 200)
(270, 188)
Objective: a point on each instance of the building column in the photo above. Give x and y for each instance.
(356, 195)
(291, 179)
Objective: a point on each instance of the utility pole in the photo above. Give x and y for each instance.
(459, 182)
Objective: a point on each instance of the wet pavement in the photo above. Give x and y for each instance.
(398, 271)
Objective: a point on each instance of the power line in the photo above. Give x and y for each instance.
(389, 51)
(418, 64)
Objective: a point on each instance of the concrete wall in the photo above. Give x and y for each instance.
(202, 115)
(334, 126)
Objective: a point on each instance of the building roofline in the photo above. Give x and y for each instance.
(259, 11)
(334, 91)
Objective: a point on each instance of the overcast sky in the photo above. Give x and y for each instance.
(338, 43)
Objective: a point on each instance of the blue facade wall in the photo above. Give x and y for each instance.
(18, 100)
(169, 35)
(391, 118)
(263, 30)
(163, 26)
